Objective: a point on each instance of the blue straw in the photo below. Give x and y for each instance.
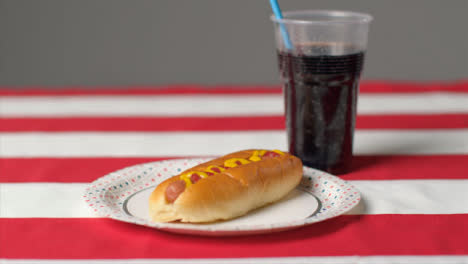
(277, 11)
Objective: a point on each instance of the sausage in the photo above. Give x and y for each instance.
(174, 190)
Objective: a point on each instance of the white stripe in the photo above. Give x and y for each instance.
(215, 105)
(165, 105)
(64, 200)
(43, 200)
(423, 103)
(461, 259)
(412, 197)
(140, 144)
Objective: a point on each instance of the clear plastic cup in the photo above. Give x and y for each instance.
(320, 57)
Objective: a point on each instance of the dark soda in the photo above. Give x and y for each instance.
(320, 89)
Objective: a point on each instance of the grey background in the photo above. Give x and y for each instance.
(143, 42)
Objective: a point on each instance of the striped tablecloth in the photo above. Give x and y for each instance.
(411, 167)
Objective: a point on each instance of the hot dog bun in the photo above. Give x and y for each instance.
(228, 194)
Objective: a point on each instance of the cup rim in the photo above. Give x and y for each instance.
(347, 17)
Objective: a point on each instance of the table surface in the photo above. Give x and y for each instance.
(410, 165)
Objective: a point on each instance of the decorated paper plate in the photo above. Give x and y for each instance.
(123, 195)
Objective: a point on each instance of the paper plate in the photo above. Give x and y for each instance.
(123, 195)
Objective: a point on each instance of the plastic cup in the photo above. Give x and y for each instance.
(320, 75)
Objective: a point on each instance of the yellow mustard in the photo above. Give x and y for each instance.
(201, 173)
(257, 154)
(278, 151)
(186, 177)
(255, 158)
(210, 169)
(231, 163)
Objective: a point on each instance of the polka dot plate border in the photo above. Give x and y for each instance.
(109, 196)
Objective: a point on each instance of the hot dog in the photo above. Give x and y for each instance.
(226, 187)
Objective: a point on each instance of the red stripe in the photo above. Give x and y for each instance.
(144, 124)
(364, 168)
(343, 236)
(63, 169)
(365, 87)
(408, 167)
